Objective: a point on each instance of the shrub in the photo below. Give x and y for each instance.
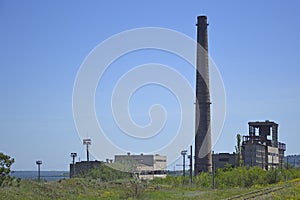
(5, 164)
(105, 173)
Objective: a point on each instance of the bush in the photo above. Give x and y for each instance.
(5, 164)
(203, 180)
(247, 177)
(105, 173)
(230, 177)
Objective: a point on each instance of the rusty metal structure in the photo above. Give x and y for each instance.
(203, 158)
(261, 147)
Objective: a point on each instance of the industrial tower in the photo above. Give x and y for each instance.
(203, 158)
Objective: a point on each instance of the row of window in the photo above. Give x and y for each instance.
(159, 160)
(153, 172)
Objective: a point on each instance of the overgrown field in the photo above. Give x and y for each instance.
(229, 182)
(93, 189)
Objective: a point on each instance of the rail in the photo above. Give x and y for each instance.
(262, 192)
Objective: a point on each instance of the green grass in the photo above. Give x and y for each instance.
(94, 189)
(292, 192)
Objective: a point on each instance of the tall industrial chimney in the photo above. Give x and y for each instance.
(203, 157)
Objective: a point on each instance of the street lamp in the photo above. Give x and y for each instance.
(183, 153)
(73, 155)
(87, 142)
(39, 162)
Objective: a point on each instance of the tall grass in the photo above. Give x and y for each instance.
(234, 177)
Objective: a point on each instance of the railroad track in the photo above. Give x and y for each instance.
(259, 193)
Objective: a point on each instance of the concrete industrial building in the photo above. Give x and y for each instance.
(261, 147)
(203, 158)
(147, 166)
(82, 167)
(220, 160)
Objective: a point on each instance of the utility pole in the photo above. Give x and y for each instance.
(272, 163)
(191, 164)
(183, 153)
(262, 160)
(213, 171)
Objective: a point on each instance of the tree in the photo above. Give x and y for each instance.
(238, 150)
(5, 164)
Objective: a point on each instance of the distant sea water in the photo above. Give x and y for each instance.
(45, 175)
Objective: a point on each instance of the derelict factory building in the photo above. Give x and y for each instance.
(261, 147)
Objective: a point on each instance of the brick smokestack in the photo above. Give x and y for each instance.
(203, 157)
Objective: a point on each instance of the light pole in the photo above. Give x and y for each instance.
(73, 155)
(87, 142)
(183, 153)
(39, 162)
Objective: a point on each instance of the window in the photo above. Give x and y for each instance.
(223, 159)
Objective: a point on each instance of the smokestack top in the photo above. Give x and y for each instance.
(202, 17)
(202, 20)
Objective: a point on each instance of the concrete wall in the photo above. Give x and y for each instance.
(82, 167)
(273, 157)
(221, 159)
(254, 155)
(160, 162)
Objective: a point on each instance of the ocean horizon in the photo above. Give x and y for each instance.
(45, 175)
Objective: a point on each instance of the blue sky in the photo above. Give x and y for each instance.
(255, 45)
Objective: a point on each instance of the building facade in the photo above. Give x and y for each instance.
(221, 160)
(82, 167)
(146, 166)
(261, 147)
